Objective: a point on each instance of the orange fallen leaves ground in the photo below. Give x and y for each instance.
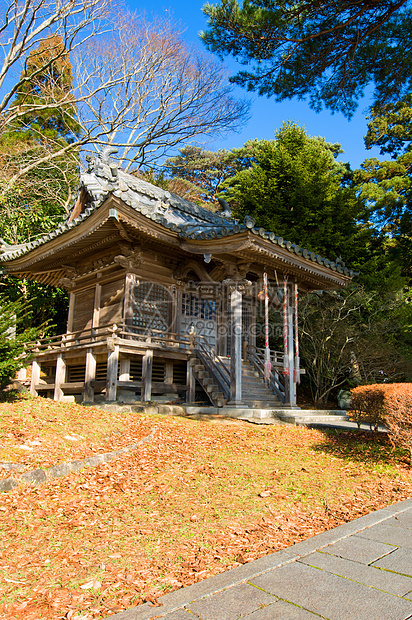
(202, 497)
(38, 432)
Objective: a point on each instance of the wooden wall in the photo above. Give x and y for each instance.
(109, 304)
(83, 309)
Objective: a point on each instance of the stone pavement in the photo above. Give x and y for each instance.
(361, 570)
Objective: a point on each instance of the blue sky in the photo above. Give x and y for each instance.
(267, 115)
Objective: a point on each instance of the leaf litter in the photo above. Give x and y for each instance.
(199, 499)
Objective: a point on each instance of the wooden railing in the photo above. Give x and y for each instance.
(276, 382)
(153, 336)
(99, 335)
(213, 363)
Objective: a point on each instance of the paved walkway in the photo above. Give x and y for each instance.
(361, 570)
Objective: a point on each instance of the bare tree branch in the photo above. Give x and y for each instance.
(137, 86)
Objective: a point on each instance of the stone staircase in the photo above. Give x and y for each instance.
(255, 395)
(208, 381)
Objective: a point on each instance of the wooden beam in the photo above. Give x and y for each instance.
(147, 375)
(60, 378)
(22, 374)
(177, 311)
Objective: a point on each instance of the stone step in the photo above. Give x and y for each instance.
(307, 417)
(256, 389)
(203, 374)
(249, 394)
(253, 381)
(261, 404)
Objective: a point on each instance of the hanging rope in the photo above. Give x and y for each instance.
(296, 372)
(285, 328)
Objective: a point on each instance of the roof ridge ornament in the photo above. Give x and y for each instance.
(226, 210)
(103, 165)
(105, 153)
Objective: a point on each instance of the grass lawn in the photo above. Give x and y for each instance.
(201, 497)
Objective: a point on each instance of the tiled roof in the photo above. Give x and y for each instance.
(188, 220)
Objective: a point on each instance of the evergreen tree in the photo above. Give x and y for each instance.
(13, 338)
(328, 51)
(296, 188)
(387, 185)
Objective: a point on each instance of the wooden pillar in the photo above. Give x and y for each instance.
(96, 306)
(22, 374)
(35, 377)
(70, 316)
(168, 372)
(221, 326)
(147, 375)
(128, 309)
(253, 315)
(177, 325)
(236, 347)
(60, 377)
(111, 376)
(90, 376)
(191, 384)
(291, 392)
(124, 371)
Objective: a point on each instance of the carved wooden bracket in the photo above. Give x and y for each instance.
(238, 270)
(130, 262)
(243, 286)
(191, 265)
(66, 283)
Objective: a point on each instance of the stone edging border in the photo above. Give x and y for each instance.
(37, 477)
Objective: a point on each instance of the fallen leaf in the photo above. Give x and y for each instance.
(97, 584)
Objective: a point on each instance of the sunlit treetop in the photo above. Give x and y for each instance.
(327, 52)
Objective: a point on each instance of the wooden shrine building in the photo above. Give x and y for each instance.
(167, 299)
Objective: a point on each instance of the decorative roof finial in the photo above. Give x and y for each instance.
(227, 212)
(105, 153)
